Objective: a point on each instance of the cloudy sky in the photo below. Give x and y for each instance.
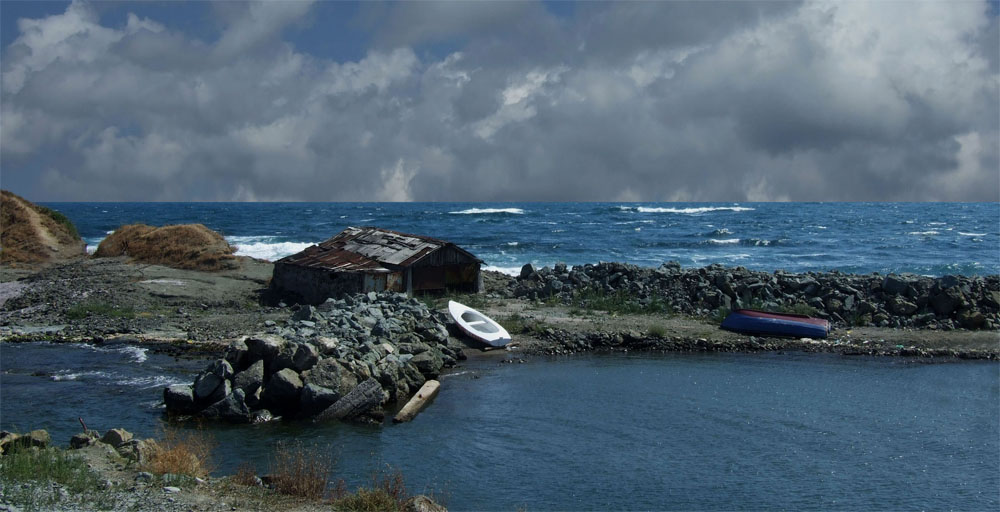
(504, 101)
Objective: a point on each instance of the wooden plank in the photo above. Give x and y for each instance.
(419, 401)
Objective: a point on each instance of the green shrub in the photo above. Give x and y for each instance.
(27, 474)
(657, 331)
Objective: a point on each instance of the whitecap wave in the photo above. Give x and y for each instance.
(484, 211)
(512, 244)
(971, 234)
(725, 241)
(70, 375)
(138, 354)
(924, 233)
(510, 271)
(255, 247)
(692, 211)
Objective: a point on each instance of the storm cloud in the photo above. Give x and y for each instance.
(470, 101)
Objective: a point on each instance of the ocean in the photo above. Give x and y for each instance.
(921, 238)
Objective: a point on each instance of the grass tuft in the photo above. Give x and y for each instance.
(300, 471)
(187, 454)
(618, 302)
(657, 331)
(387, 493)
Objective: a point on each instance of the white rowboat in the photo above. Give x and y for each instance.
(478, 325)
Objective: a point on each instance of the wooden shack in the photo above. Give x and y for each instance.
(364, 259)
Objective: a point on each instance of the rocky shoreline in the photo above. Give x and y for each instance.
(899, 301)
(352, 357)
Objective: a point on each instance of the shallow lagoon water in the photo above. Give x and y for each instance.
(593, 432)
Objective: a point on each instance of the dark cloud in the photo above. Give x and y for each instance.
(705, 101)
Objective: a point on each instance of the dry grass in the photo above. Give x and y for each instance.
(188, 454)
(184, 246)
(20, 240)
(300, 471)
(386, 493)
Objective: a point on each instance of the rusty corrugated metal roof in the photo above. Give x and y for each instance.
(368, 249)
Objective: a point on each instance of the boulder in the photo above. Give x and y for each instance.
(314, 399)
(251, 379)
(281, 393)
(899, 306)
(264, 347)
(231, 408)
(421, 503)
(330, 373)
(210, 388)
(83, 439)
(527, 271)
(971, 319)
(116, 437)
(429, 363)
(360, 400)
(137, 451)
(179, 399)
(947, 301)
(895, 284)
(237, 354)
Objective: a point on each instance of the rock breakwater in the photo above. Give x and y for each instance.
(906, 300)
(343, 359)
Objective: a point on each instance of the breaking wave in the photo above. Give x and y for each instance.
(694, 211)
(971, 234)
(480, 211)
(924, 233)
(263, 248)
(725, 241)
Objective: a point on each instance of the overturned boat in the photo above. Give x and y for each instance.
(765, 323)
(478, 326)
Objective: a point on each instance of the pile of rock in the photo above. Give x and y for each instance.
(905, 300)
(340, 360)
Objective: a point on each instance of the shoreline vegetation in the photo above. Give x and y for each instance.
(115, 471)
(359, 357)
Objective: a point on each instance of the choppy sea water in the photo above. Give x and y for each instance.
(600, 432)
(922, 238)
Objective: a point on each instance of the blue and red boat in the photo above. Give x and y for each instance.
(765, 323)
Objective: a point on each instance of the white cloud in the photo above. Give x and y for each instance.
(812, 101)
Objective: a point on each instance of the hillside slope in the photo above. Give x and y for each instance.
(32, 234)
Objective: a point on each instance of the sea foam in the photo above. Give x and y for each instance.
(478, 211)
(263, 250)
(692, 211)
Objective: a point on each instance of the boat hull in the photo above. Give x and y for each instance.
(764, 323)
(478, 326)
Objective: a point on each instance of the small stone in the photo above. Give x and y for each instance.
(171, 489)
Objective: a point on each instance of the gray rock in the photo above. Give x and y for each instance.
(314, 399)
(237, 354)
(894, 284)
(231, 408)
(209, 388)
(361, 399)
(179, 399)
(429, 363)
(264, 347)
(305, 313)
(281, 393)
(83, 439)
(330, 373)
(251, 379)
(947, 301)
(305, 357)
(527, 271)
(116, 437)
(899, 306)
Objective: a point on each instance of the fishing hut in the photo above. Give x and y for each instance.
(366, 259)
